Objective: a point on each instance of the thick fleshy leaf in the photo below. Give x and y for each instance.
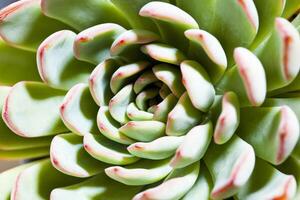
(268, 183)
(202, 187)
(22, 24)
(267, 10)
(170, 76)
(135, 114)
(279, 55)
(274, 127)
(163, 53)
(107, 151)
(207, 50)
(132, 8)
(183, 117)
(158, 149)
(144, 80)
(193, 146)
(68, 156)
(99, 81)
(98, 187)
(140, 173)
(144, 131)
(8, 178)
(37, 181)
(93, 44)
(229, 118)
(127, 45)
(57, 64)
(31, 109)
(230, 165)
(171, 22)
(176, 185)
(110, 128)
(162, 109)
(23, 154)
(291, 7)
(144, 97)
(247, 79)
(16, 65)
(197, 83)
(78, 106)
(119, 103)
(123, 74)
(12, 141)
(164, 91)
(83, 14)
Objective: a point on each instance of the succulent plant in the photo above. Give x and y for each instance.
(150, 100)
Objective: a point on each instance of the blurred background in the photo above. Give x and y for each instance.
(4, 3)
(7, 164)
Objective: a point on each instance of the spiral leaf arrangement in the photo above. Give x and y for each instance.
(150, 100)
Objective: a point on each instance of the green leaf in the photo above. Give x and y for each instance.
(98, 187)
(31, 109)
(142, 98)
(110, 127)
(69, 156)
(171, 22)
(8, 178)
(107, 151)
(99, 81)
(247, 79)
(274, 127)
(22, 154)
(57, 64)
(279, 55)
(207, 50)
(291, 7)
(144, 131)
(193, 146)
(140, 173)
(183, 117)
(163, 109)
(93, 44)
(198, 85)
(267, 10)
(37, 181)
(123, 74)
(23, 25)
(119, 103)
(16, 65)
(268, 183)
(163, 53)
(158, 149)
(135, 114)
(202, 187)
(171, 76)
(78, 106)
(175, 186)
(10, 140)
(83, 14)
(229, 118)
(230, 166)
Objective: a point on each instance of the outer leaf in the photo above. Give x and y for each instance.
(11, 141)
(83, 14)
(78, 106)
(23, 154)
(22, 24)
(16, 65)
(31, 183)
(230, 165)
(68, 156)
(57, 64)
(100, 187)
(31, 109)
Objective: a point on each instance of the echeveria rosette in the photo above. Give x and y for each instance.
(150, 100)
